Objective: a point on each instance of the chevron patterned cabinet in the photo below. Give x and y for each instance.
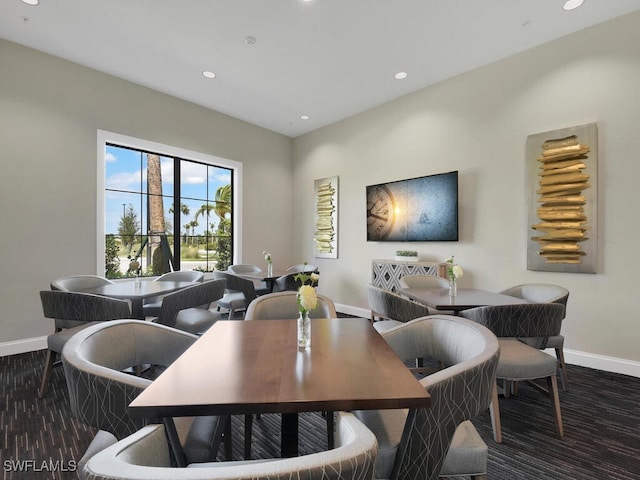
(386, 274)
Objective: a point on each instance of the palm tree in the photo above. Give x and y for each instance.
(156, 214)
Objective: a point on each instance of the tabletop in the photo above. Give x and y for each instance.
(466, 298)
(255, 366)
(128, 290)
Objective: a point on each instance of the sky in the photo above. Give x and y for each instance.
(125, 172)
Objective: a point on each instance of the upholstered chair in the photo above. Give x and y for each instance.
(519, 361)
(250, 269)
(419, 443)
(281, 306)
(287, 282)
(73, 312)
(151, 307)
(145, 455)
(95, 361)
(239, 292)
(181, 309)
(302, 267)
(426, 281)
(545, 293)
(391, 309)
(76, 283)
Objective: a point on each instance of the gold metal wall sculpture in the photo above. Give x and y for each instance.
(562, 176)
(326, 226)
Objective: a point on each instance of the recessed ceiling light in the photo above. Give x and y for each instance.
(305, 117)
(33, 3)
(400, 75)
(209, 74)
(571, 4)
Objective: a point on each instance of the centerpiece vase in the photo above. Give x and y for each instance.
(304, 330)
(453, 287)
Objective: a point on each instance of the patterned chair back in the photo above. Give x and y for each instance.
(191, 297)
(392, 306)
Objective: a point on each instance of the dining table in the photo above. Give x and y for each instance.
(136, 291)
(440, 299)
(269, 278)
(241, 367)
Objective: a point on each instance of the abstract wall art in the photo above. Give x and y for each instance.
(326, 224)
(562, 172)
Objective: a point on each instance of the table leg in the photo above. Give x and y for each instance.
(174, 442)
(136, 309)
(289, 435)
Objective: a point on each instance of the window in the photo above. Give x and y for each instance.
(164, 209)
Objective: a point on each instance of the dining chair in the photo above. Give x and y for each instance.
(73, 312)
(76, 283)
(250, 269)
(289, 282)
(282, 306)
(151, 306)
(182, 309)
(389, 309)
(426, 281)
(545, 293)
(427, 442)
(145, 455)
(239, 292)
(519, 361)
(100, 390)
(302, 267)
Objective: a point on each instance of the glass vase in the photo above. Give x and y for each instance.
(304, 330)
(269, 269)
(453, 287)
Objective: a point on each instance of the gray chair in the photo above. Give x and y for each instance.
(181, 309)
(73, 312)
(100, 391)
(391, 309)
(519, 361)
(424, 443)
(250, 269)
(151, 307)
(239, 293)
(283, 305)
(280, 306)
(74, 283)
(426, 281)
(302, 267)
(145, 455)
(77, 283)
(545, 293)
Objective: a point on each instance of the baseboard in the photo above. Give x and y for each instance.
(22, 346)
(572, 357)
(602, 362)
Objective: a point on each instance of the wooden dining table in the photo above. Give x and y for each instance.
(137, 292)
(439, 298)
(255, 366)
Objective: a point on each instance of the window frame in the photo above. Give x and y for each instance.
(104, 138)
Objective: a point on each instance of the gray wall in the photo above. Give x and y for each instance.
(478, 123)
(50, 111)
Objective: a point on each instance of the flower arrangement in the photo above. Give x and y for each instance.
(454, 270)
(267, 257)
(406, 253)
(307, 298)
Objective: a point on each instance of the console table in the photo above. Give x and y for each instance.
(386, 274)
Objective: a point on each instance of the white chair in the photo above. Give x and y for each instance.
(545, 293)
(151, 306)
(145, 455)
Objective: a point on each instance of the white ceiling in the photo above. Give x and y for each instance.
(328, 59)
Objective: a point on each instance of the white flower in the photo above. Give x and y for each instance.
(307, 298)
(457, 271)
(315, 277)
(267, 256)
